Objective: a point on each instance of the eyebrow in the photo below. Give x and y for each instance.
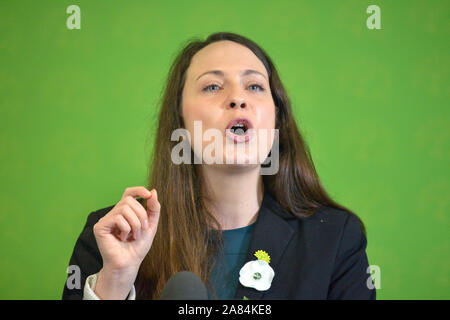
(221, 73)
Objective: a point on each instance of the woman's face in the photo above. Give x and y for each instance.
(227, 89)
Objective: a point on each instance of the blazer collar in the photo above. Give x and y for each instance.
(272, 234)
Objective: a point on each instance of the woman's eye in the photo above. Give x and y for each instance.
(257, 86)
(210, 86)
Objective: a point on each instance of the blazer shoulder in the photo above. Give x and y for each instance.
(331, 215)
(338, 220)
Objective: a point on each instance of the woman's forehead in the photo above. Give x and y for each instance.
(226, 56)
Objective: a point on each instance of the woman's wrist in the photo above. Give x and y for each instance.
(114, 284)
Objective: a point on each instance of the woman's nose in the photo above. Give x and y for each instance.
(233, 104)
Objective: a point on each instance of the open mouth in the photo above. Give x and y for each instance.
(239, 130)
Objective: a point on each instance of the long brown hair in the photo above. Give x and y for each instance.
(185, 239)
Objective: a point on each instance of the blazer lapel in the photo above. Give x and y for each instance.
(272, 234)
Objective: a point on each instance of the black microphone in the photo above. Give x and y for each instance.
(184, 285)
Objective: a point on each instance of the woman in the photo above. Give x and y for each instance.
(211, 217)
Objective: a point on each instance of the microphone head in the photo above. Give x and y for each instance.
(184, 285)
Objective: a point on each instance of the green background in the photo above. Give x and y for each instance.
(78, 114)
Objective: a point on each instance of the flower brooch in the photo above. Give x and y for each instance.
(257, 274)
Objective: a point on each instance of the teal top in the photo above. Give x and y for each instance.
(225, 275)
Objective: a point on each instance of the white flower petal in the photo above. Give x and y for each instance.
(246, 269)
(247, 272)
(268, 273)
(261, 264)
(247, 281)
(253, 266)
(262, 285)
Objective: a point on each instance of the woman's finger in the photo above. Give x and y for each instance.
(153, 209)
(132, 219)
(123, 226)
(136, 192)
(139, 210)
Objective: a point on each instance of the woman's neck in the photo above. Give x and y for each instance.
(235, 196)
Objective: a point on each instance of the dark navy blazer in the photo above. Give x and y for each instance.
(319, 257)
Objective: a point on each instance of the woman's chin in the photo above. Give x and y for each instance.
(236, 168)
(241, 161)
